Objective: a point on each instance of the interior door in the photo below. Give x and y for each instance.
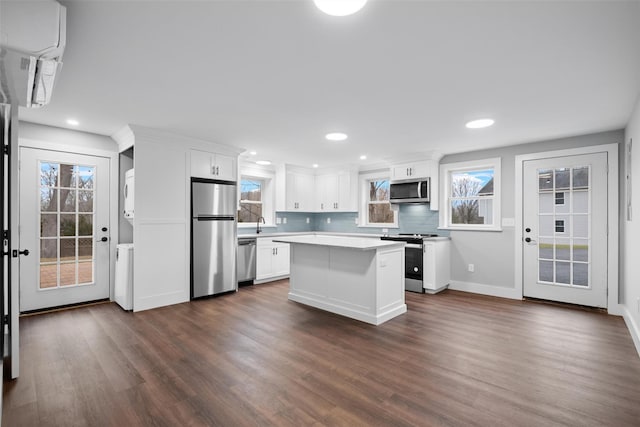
(64, 223)
(565, 229)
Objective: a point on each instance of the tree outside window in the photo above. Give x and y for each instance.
(250, 200)
(379, 208)
(472, 197)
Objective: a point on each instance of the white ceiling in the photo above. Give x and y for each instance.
(400, 77)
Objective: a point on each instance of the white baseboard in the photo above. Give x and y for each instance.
(480, 288)
(634, 328)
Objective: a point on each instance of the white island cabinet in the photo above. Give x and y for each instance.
(355, 277)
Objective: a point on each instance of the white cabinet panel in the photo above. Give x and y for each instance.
(213, 166)
(413, 170)
(437, 264)
(272, 260)
(337, 192)
(299, 192)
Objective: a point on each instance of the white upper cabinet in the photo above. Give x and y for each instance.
(420, 170)
(294, 190)
(415, 170)
(213, 166)
(337, 192)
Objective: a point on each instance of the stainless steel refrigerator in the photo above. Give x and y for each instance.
(213, 237)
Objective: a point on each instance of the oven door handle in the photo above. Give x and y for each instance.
(413, 246)
(419, 191)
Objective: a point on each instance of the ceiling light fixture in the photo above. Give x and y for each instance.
(340, 7)
(479, 124)
(363, 157)
(73, 122)
(263, 162)
(336, 136)
(315, 165)
(253, 153)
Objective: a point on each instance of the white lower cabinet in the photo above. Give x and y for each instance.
(272, 260)
(436, 265)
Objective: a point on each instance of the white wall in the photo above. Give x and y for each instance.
(162, 223)
(630, 233)
(492, 253)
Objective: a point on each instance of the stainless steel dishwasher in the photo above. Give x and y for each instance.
(246, 259)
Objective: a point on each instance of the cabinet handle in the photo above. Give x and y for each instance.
(276, 251)
(407, 171)
(321, 206)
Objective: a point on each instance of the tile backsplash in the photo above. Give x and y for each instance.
(412, 218)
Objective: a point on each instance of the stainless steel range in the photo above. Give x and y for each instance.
(413, 259)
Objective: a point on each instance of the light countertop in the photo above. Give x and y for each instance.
(361, 243)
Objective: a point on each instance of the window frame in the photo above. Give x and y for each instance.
(363, 215)
(251, 202)
(267, 178)
(446, 171)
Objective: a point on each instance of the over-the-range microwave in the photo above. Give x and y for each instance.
(416, 191)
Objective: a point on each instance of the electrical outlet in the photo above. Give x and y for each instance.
(307, 220)
(471, 268)
(357, 221)
(328, 220)
(385, 230)
(284, 220)
(278, 220)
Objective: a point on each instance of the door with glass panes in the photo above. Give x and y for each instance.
(565, 229)
(64, 223)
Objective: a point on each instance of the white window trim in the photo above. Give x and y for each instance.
(363, 214)
(445, 179)
(268, 195)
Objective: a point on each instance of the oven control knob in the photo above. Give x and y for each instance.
(415, 269)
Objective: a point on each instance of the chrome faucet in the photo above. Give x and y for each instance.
(258, 229)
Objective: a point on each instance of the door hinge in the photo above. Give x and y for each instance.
(5, 319)
(5, 150)
(5, 234)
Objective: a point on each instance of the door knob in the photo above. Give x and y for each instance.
(528, 239)
(104, 239)
(528, 230)
(15, 253)
(104, 229)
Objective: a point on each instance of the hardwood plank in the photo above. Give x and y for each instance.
(255, 358)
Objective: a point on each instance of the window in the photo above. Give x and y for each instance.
(560, 199)
(472, 195)
(250, 200)
(376, 209)
(559, 226)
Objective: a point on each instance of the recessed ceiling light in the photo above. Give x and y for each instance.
(480, 123)
(336, 136)
(263, 162)
(253, 153)
(315, 165)
(73, 122)
(363, 157)
(340, 7)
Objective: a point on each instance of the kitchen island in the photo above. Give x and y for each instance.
(360, 278)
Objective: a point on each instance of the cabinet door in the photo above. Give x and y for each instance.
(400, 172)
(326, 191)
(281, 260)
(346, 200)
(201, 164)
(264, 261)
(291, 197)
(429, 265)
(305, 187)
(225, 167)
(420, 170)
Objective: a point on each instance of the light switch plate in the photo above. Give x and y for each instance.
(328, 220)
(307, 220)
(278, 220)
(284, 220)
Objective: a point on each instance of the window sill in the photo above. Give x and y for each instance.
(450, 228)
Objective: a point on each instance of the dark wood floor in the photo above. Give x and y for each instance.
(254, 358)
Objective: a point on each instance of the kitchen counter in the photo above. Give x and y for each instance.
(361, 243)
(356, 277)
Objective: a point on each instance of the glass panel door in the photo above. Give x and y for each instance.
(66, 225)
(564, 224)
